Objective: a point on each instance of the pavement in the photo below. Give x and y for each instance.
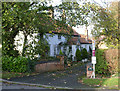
(18, 86)
(66, 79)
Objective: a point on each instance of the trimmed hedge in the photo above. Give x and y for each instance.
(84, 53)
(17, 64)
(78, 55)
(61, 53)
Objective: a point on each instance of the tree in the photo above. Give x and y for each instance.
(29, 18)
(73, 13)
(78, 55)
(84, 53)
(20, 16)
(106, 24)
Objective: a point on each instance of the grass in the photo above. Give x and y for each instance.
(8, 75)
(110, 83)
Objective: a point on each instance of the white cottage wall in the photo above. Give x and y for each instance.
(73, 51)
(54, 41)
(86, 46)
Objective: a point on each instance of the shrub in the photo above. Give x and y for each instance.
(111, 56)
(78, 55)
(101, 64)
(61, 53)
(84, 53)
(17, 64)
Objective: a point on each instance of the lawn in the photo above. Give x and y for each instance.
(8, 75)
(110, 83)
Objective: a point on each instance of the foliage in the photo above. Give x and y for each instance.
(101, 63)
(29, 17)
(106, 24)
(78, 55)
(72, 13)
(84, 53)
(16, 17)
(17, 64)
(41, 48)
(111, 56)
(61, 53)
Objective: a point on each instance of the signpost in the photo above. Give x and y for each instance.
(93, 59)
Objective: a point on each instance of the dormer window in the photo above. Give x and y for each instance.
(59, 36)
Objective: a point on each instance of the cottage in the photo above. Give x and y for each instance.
(67, 44)
(58, 40)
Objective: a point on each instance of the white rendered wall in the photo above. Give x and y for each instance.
(73, 51)
(54, 41)
(86, 46)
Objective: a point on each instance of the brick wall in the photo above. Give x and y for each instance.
(45, 67)
(50, 66)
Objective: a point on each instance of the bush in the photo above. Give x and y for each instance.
(17, 64)
(78, 55)
(101, 64)
(84, 53)
(61, 53)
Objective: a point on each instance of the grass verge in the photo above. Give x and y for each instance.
(8, 75)
(110, 83)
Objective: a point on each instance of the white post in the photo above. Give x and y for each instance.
(94, 70)
(93, 58)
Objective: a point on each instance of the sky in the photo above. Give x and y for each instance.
(80, 29)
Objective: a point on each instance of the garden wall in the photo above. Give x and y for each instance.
(111, 56)
(50, 66)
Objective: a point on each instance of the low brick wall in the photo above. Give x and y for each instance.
(50, 66)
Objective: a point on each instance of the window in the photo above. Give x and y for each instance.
(59, 36)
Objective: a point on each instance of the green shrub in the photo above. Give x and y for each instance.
(61, 53)
(101, 64)
(17, 64)
(78, 55)
(84, 53)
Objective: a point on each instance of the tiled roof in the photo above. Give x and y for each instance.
(84, 41)
(69, 30)
(73, 41)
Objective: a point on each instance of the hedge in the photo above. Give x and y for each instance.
(17, 64)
